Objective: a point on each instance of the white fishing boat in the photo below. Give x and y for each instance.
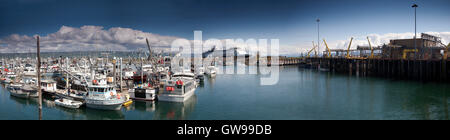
(31, 90)
(128, 74)
(178, 89)
(200, 70)
(29, 70)
(68, 103)
(49, 87)
(144, 93)
(16, 91)
(103, 96)
(211, 71)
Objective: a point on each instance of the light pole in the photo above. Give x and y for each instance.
(318, 33)
(415, 29)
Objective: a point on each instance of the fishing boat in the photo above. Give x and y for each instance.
(178, 89)
(16, 91)
(11, 75)
(29, 70)
(142, 93)
(103, 96)
(128, 73)
(31, 90)
(49, 87)
(199, 74)
(68, 103)
(211, 71)
(5, 80)
(200, 70)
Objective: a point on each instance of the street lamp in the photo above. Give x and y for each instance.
(318, 42)
(415, 28)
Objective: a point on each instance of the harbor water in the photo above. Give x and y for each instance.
(299, 94)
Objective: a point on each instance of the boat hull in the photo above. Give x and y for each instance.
(104, 107)
(175, 98)
(143, 95)
(74, 105)
(20, 95)
(143, 99)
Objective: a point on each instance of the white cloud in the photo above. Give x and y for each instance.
(86, 38)
(93, 38)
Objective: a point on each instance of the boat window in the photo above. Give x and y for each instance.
(101, 90)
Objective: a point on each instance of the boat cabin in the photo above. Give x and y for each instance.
(102, 91)
(178, 86)
(48, 85)
(184, 75)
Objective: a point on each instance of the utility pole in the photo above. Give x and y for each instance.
(39, 78)
(415, 29)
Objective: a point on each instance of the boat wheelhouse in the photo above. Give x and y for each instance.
(48, 86)
(104, 97)
(178, 89)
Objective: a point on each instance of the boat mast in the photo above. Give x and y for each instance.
(121, 74)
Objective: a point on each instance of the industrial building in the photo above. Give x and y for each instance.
(425, 48)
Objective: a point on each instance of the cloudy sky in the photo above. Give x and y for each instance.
(123, 25)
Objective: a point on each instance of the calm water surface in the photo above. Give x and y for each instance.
(299, 94)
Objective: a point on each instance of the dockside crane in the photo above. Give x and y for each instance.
(348, 49)
(149, 50)
(328, 49)
(371, 49)
(315, 51)
(309, 52)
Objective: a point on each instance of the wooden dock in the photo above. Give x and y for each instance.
(423, 70)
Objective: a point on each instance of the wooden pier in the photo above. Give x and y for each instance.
(423, 70)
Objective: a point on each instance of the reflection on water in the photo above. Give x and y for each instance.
(143, 106)
(299, 94)
(175, 111)
(162, 110)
